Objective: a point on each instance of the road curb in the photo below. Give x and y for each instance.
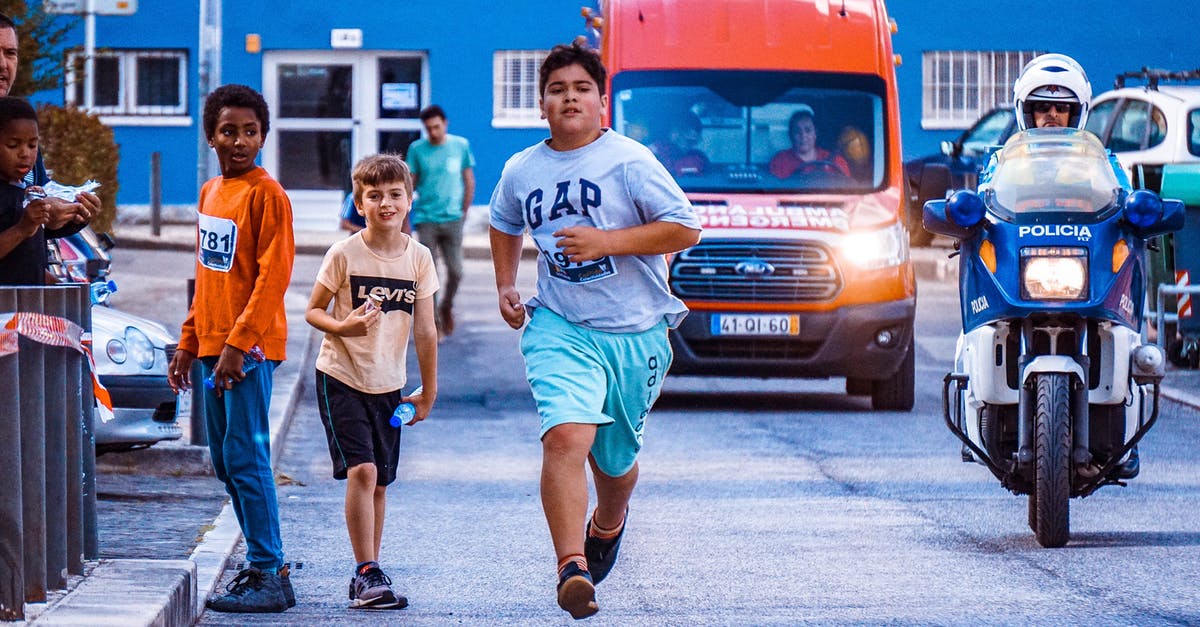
(151, 592)
(175, 460)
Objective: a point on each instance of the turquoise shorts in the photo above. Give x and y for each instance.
(579, 375)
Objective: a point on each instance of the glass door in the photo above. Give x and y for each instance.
(329, 109)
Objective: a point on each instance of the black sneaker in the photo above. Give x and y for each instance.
(602, 554)
(285, 581)
(576, 592)
(251, 591)
(1130, 468)
(371, 589)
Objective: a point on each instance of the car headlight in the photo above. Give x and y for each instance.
(882, 248)
(141, 351)
(1054, 273)
(115, 349)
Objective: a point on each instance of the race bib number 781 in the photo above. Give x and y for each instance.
(218, 240)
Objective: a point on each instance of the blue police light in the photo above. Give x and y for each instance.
(965, 208)
(1143, 208)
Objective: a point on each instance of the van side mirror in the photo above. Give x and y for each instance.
(935, 182)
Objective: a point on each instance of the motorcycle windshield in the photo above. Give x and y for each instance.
(1052, 170)
(744, 131)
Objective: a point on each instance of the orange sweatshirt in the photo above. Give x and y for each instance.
(244, 254)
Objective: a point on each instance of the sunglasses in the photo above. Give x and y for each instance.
(1045, 107)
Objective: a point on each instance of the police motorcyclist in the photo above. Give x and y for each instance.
(1053, 91)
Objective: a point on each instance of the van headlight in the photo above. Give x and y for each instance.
(1054, 273)
(881, 248)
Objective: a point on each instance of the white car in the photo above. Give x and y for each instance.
(131, 354)
(1150, 125)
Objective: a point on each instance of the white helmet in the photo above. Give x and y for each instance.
(1052, 78)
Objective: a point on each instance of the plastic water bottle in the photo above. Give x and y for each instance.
(250, 360)
(101, 290)
(405, 411)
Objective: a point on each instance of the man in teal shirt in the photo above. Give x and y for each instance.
(443, 170)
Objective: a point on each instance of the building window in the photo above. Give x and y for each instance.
(515, 88)
(958, 86)
(131, 82)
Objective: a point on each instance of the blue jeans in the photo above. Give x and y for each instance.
(239, 441)
(445, 238)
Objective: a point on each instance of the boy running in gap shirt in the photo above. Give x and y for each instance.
(244, 264)
(361, 367)
(603, 212)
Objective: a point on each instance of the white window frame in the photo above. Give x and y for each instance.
(525, 113)
(127, 111)
(958, 86)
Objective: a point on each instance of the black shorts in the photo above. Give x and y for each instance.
(357, 428)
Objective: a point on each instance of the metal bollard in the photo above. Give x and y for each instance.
(12, 531)
(31, 361)
(156, 193)
(76, 298)
(54, 411)
(91, 535)
(198, 429)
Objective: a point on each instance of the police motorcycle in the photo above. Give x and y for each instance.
(1052, 385)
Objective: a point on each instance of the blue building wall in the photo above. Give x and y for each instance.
(460, 36)
(1107, 37)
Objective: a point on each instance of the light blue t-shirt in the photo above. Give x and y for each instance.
(611, 183)
(439, 172)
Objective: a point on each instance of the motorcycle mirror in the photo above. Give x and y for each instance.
(965, 208)
(1151, 216)
(935, 220)
(1143, 208)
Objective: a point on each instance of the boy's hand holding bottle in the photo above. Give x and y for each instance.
(413, 408)
(228, 372)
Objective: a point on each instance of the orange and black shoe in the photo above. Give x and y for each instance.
(576, 592)
(601, 553)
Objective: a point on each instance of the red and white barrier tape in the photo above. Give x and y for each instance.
(55, 331)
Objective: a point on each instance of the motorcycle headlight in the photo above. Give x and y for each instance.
(141, 351)
(1054, 273)
(882, 248)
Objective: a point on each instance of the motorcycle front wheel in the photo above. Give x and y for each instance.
(1052, 416)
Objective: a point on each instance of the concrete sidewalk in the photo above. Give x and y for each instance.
(172, 592)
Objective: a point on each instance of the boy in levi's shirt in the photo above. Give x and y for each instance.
(244, 259)
(361, 366)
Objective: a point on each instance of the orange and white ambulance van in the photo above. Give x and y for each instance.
(780, 120)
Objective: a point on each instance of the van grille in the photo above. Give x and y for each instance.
(752, 348)
(756, 271)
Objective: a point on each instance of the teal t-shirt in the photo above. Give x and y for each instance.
(439, 171)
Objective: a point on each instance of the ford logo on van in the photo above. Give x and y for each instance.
(754, 267)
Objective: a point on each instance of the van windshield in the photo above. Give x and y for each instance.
(755, 131)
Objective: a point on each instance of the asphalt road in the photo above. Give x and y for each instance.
(760, 503)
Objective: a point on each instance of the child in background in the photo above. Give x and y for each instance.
(244, 255)
(22, 239)
(361, 366)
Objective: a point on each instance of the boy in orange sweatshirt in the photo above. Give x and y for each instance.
(238, 330)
